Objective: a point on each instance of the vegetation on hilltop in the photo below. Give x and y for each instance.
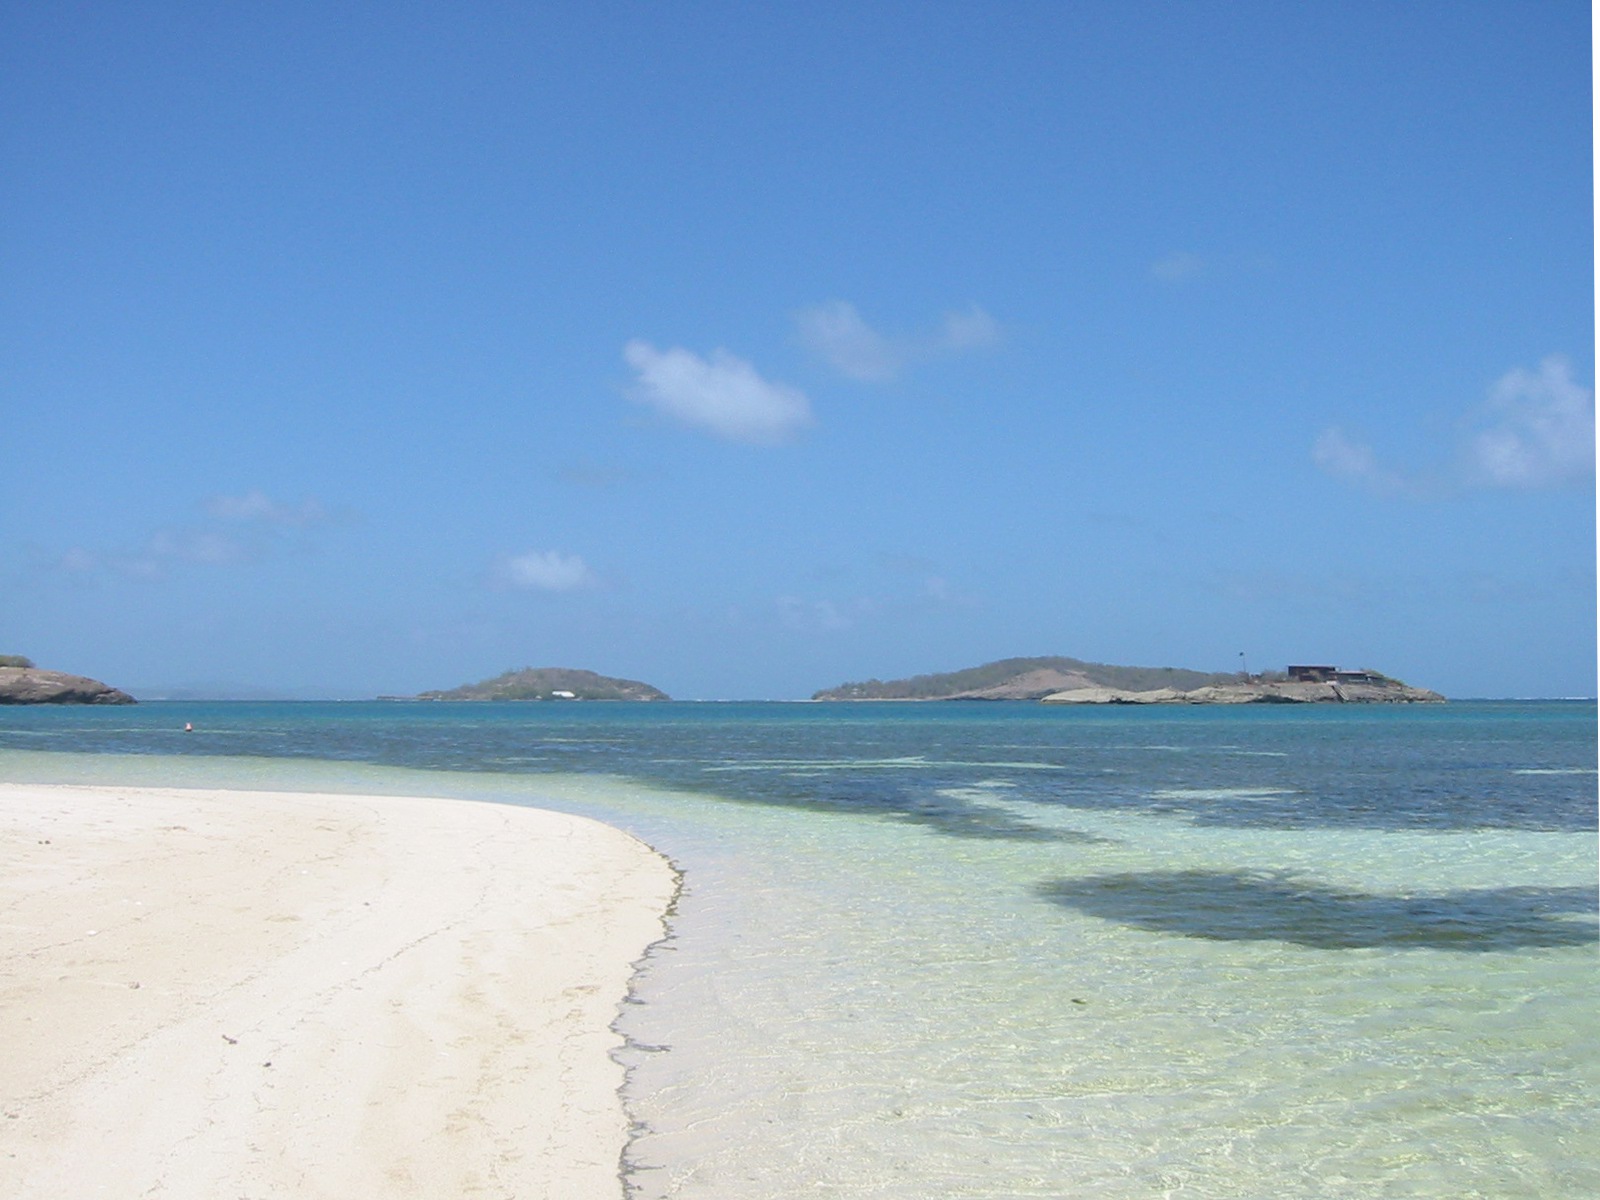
(15, 660)
(550, 683)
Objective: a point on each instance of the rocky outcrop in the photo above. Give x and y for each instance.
(1390, 691)
(1105, 695)
(1030, 685)
(30, 685)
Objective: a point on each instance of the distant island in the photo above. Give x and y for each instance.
(1024, 679)
(1057, 680)
(23, 683)
(548, 683)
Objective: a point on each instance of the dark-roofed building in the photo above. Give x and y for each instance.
(1308, 674)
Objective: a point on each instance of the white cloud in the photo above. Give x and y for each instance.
(546, 571)
(1539, 430)
(256, 505)
(1536, 430)
(722, 394)
(836, 333)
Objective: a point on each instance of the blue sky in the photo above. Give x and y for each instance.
(358, 349)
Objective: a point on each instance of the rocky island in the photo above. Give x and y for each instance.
(1058, 680)
(550, 683)
(23, 683)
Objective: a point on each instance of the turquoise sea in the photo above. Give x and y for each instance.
(1005, 950)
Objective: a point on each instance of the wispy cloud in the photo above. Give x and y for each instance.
(244, 529)
(597, 476)
(721, 394)
(824, 616)
(1179, 267)
(256, 505)
(970, 330)
(545, 571)
(895, 588)
(1536, 430)
(836, 333)
(1355, 462)
(77, 561)
(206, 547)
(158, 556)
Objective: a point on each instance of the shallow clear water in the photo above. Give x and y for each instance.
(1007, 950)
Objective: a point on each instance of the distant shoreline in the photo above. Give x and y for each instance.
(679, 701)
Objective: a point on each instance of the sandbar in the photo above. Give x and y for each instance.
(239, 994)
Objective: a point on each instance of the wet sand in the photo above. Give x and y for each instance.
(247, 994)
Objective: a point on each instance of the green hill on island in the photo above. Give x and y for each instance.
(550, 683)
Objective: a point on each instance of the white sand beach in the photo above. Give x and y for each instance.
(213, 994)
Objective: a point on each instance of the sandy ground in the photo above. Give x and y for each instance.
(228, 995)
